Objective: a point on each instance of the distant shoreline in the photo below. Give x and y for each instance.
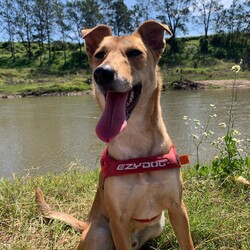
(208, 84)
(23, 95)
(240, 83)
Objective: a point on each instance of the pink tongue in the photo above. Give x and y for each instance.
(113, 120)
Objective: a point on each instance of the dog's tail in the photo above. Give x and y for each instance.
(48, 213)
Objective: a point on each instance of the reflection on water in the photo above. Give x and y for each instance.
(42, 135)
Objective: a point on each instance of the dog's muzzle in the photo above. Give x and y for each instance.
(121, 98)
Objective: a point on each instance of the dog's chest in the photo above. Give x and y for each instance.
(144, 195)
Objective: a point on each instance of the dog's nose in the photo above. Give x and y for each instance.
(104, 76)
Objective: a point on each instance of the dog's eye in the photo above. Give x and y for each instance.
(133, 53)
(100, 55)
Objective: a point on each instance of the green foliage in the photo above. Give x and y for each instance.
(229, 162)
(196, 52)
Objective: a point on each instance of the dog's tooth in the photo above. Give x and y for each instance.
(131, 97)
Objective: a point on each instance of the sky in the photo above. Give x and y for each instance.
(226, 3)
(194, 30)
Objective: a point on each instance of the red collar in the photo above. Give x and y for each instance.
(112, 167)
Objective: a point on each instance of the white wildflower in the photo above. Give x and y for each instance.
(236, 68)
(205, 134)
(184, 117)
(195, 136)
(235, 132)
(236, 140)
(197, 122)
(223, 125)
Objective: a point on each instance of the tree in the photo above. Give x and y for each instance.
(246, 28)
(230, 26)
(44, 24)
(142, 11)
(7, 15)
(119, 17)
(82, 14)
(230, 20)
(175, 14)
(206, 12)
(62, 25)
(92, 13)
(25, 24)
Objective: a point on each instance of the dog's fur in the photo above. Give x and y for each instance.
(133, 60)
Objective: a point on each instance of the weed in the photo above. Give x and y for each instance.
(230, 161)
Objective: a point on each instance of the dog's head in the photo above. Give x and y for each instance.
(124, 69)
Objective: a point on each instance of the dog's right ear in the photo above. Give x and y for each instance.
(152, 32)
(93, 37)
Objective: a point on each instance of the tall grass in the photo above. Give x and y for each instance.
(219, 214)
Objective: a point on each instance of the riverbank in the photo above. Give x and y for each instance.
(218, 212)
(240, 83)
(32, 82)
(28, 82)
(47, 91)
(36, 94)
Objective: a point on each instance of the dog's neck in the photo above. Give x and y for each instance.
(145, 134)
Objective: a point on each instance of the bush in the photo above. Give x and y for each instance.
(220, 53)
(229, 162)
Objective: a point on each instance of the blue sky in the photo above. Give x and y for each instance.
(194, 30)
(130, 2)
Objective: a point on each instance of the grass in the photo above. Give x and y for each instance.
(27, 82)
(24, 77)
(38, 76)
(219, 213)
(220, 71)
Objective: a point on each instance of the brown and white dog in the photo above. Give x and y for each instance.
(128, 210)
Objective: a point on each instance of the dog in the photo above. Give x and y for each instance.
(141, 174)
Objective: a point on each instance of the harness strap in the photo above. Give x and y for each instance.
(112, 167)
(147, 220)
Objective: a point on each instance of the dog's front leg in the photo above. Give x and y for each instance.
(121, 234)
(179, 221)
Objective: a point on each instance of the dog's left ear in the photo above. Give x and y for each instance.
(152, 33)
(93, 37)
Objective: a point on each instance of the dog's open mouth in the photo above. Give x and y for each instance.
(118, 108)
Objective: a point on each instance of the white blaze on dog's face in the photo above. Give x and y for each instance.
(124, 68)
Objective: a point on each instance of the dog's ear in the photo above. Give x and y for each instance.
(152, 33)
(93, 37)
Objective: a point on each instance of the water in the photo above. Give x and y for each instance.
(50, 134)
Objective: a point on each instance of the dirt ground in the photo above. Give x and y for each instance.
(240, 83)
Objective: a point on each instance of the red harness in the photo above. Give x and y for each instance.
(112, 167)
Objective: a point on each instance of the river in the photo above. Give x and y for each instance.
(52, 134)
